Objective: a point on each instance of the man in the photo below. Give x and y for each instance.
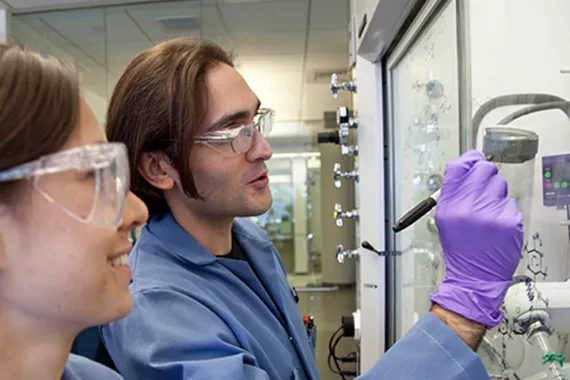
(211, 298)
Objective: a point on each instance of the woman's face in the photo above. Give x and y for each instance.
(55, 269)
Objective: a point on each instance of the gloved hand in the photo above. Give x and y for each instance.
(481, 233)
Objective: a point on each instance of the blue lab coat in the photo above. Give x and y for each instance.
(198, 316)
(81, 368)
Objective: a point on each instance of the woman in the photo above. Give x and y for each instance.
(65, 215)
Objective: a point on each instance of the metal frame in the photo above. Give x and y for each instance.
(414, 31)
(464, 76)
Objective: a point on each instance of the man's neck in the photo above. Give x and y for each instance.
(214, 234)
(28, 351)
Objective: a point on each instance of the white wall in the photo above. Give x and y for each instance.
(519, 46)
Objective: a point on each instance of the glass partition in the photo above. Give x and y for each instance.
(514, 94)
(425, 136)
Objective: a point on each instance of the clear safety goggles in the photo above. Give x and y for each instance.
(239, 140)
(98, 181)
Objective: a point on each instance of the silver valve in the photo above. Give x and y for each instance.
(335, 86)
(341, 253)
(349, 150)
(343, 136)
(339, 215)
(338, 175)
(343, 118)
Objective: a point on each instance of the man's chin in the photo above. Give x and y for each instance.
(258, 207)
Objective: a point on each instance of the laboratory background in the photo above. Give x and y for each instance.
(372, 99)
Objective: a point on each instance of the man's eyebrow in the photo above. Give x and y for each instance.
(227, 119)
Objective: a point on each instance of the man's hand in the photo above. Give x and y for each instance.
(481, 233)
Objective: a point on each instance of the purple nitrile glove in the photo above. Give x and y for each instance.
(481, 233)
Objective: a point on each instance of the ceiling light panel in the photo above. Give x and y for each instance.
(149, 16)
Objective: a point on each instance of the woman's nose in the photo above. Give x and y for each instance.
(135, 213)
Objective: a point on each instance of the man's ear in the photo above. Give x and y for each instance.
(156, 169)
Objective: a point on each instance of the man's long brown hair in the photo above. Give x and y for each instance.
(159, 105)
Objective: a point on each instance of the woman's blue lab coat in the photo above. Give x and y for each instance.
(198, 316)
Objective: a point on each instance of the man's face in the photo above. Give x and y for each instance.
(231, 185)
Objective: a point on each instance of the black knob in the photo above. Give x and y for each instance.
(328, 137)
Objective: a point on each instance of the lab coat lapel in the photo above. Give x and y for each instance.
(243, 271)
(265, 260)
(260, 257)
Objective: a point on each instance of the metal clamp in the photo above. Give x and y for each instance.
(343, 118)
(335, 86)
(349, 150)
(343, 134)
(341, 253)
(338, 175)
(339, 215)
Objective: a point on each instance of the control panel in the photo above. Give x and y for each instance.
(556, 180)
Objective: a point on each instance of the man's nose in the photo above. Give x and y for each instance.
(260, 150)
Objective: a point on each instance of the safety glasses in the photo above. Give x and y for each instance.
(89, 183)
(239, 140)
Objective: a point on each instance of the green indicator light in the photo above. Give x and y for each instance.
(564, 185)
(548, 174)
(556, 185)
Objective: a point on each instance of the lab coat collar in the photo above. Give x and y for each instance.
(166, 229)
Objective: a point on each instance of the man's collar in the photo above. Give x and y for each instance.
(176, 240)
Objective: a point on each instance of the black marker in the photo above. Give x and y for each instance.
(417, 212)
(422, 208)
